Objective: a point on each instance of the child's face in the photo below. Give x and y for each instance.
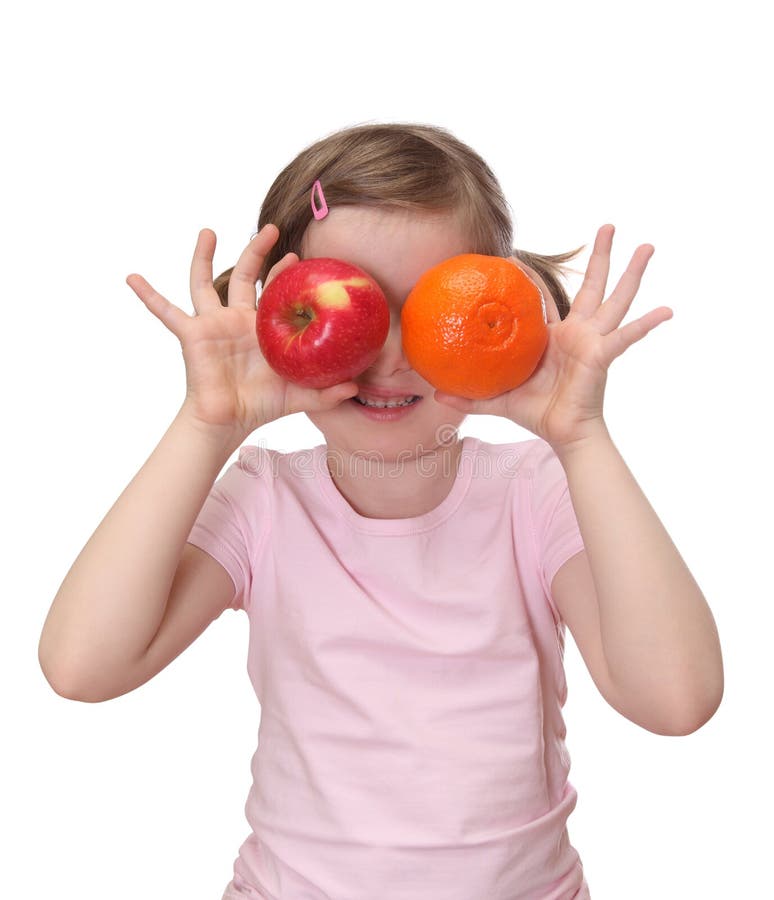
(394, 247)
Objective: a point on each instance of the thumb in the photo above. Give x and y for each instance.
(331, 397)
(461, 404)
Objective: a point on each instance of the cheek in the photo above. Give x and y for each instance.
(442, 415)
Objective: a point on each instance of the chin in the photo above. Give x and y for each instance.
(346, 429)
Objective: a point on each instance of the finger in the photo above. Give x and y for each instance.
(241, 284)
(592, 290)
(332, 396)
(288, 260)
(203, 294)
(313, 399)
(174, 318)
(461, 404)
(491, 406)
(614, 309)
(623, 338)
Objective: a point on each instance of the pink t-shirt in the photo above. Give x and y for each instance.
(410, 677)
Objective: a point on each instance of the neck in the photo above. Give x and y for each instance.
(407, 486)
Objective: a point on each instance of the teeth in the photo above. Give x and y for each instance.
(386, 404)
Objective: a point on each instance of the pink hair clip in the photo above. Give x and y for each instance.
(322, 212)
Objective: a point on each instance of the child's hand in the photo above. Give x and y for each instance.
(561, 401)
(229, 383)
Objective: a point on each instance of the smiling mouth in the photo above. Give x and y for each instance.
(388, 404)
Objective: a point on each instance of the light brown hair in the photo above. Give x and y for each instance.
(400, 166)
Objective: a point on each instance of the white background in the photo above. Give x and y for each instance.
(130, 127)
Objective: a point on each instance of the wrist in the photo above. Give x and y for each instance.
(221, 438)
(593, 433)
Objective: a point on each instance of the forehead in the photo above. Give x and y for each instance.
(394, 246)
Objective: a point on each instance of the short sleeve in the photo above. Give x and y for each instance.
(233, 524)
(555, 526)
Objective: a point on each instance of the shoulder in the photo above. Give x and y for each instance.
(524, 459)
(245, 478)
(532, 467)
(278, 474)
(254, 461)
(259, 462)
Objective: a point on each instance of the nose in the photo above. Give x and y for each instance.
(391, 359)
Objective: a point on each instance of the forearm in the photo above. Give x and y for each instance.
(658, 633)
(113, 599)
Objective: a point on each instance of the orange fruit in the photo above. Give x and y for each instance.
(474, 326)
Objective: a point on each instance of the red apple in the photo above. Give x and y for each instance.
(322, 321)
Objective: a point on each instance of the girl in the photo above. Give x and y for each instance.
(407, 589)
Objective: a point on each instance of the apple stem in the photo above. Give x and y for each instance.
(302, 317)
